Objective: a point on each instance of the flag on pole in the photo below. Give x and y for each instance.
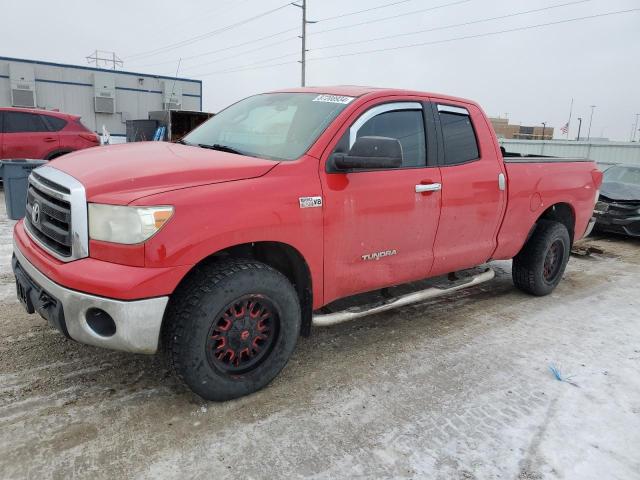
(565, 129)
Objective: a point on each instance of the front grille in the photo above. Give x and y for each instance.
(48, 216)
(56, 216)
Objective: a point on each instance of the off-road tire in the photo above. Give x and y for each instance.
(198, 303)
(528, 270)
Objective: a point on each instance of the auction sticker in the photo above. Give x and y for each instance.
(333, 99)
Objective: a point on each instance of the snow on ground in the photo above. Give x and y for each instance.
(454, 388)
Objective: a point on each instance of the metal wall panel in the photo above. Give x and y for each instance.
(70, 89)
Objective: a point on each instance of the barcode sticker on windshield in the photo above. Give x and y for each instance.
(333, 99)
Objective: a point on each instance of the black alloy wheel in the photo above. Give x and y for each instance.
(242, 334)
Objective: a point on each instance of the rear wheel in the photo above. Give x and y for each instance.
(231, 328)
(57, 154)
(539, 266)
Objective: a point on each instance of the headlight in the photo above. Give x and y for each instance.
(129, 225)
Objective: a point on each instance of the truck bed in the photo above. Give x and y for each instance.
(539, 159)
(514, 157)
(535, 183)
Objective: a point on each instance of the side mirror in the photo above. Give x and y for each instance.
(369, 153)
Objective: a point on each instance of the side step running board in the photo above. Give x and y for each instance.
(325, 320)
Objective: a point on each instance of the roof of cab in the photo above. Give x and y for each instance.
(359, 91)
(40, 111)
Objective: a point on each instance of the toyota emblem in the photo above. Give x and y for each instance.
(35, 214)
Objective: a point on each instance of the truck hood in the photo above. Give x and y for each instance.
(119, 174)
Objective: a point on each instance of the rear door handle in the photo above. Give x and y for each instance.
(49, 139)
(429, 187)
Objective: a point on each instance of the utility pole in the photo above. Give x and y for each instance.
(303, 37)
(635, 128)
(579, 128)
(593, 107)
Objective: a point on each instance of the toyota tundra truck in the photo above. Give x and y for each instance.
(287, 210)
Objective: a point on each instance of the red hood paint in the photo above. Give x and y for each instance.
(119, 174)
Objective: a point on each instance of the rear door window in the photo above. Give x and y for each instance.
(18, 122)
(55, 124)
(458, 135)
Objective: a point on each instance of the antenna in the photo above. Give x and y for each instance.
(173, 87)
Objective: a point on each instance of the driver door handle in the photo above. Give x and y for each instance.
(429, 187)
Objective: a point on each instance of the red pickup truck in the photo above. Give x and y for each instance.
(275, 215)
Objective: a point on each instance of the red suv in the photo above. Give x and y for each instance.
(32, 133)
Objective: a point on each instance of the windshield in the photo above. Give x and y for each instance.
(623, 175)
(278, 126)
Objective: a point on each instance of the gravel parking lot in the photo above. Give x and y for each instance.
(454, 388)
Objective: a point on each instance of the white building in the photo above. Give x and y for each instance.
(99, 96)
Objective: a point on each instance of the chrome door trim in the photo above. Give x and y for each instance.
(377, 110)
(453, 109)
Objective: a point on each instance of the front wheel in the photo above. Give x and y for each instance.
(231, 328)
(539, 266)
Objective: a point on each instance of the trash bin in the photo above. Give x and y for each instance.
(14, 176)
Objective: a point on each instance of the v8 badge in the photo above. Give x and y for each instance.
(310, 202)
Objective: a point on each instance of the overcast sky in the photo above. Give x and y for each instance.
(530, 74)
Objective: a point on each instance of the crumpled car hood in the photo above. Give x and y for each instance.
(620, 191)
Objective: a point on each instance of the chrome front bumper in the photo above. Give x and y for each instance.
(137, 322)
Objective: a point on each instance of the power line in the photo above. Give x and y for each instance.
(363, 11)
(245, 68)
(326, 19)
(208, 13)
(501, 17)
(228, 47)
(258, 63)
(197, 38)
(187, 19)
(435, 42)
(368, 22)
(487, 34)
(244, 52)
(445, 27)
(312, 33)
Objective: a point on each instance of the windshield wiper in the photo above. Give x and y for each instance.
(220, 148)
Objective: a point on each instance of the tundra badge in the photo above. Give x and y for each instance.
(310, 202)
(379, 255)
